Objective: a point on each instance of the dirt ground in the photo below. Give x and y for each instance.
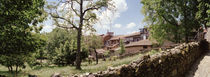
(201, 68)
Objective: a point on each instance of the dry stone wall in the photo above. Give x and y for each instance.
(170, 63)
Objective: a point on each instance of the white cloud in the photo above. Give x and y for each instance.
(48, 28)
(107, 17)
(117, 25)
(131, 25)
(132, 32)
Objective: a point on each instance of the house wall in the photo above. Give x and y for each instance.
(136, 48)
(133, 38)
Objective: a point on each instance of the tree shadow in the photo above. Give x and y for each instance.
(5, 73)
(41, 67)
(191, 72)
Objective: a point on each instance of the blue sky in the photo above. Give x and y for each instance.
(127, 19)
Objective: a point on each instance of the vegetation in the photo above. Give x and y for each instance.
(70, 70)
(122, 47)
(18, 27)
(61, 47)
(25, 50)
(203, 13)
(70, 14)
(179, 19)
(93, 42)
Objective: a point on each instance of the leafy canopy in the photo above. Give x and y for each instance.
(18, 21)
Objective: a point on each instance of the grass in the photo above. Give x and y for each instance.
(70, 70)
(152, 52)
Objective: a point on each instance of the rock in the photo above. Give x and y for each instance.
(29, 75)
(2, 76)
(56, 75)
(110, 68)
(170, 63)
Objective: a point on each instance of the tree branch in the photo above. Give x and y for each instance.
(92, 8)
(65, 27)
(77, 1)
(87, 19)
(72, 7)
(169, 21)
(73, 25)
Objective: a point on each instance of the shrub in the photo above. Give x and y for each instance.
(122, 47)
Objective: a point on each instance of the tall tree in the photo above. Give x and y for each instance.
(56, 38)
(122, 47)
(203, 14)
(18, 24)
(78, 15)
(176, 15)
(93, 42)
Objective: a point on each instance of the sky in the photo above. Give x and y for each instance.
(125, 20)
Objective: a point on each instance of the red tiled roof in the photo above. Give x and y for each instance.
(100, 50)
(133, 34)
(139, 43)
(117, 37)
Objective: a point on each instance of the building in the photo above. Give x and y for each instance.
(134, 37)
(111, 42)
(114, 42)
(139, 45)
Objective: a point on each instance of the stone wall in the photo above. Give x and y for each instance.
(170, 63)
(207, 36)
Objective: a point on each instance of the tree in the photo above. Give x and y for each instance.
(78, 15)
(61, 47)
(40, 54)
(177, 17)
(18, 40)
(203, 14)
(94, 42)
(122, 47)
(56, 38)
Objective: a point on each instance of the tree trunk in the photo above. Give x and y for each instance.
(16, 70)
(78, 56)
(96, 55)
(41, 62)
(186, 38)
(79, 34)
(9, 69)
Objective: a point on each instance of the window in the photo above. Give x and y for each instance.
(144, 47)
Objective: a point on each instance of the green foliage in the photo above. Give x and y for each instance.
(18, 39)
(64, 54)
(203, 14)
(58, 37)
(170, 19)
(80, 18)
(61, 47)
(92, 42)
(122, 47)
(47, 71)
(152, 52)
(106, 53)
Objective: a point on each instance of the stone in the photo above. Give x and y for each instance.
(29, 75)
(170, 63)
(2, 76)
(56, 75)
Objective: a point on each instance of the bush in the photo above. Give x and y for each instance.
(152, 52)
(122, 47)
(66, 54)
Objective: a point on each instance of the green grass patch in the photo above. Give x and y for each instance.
(152, 52)
(47, 71)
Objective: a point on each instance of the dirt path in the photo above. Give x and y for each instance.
(201, 68)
